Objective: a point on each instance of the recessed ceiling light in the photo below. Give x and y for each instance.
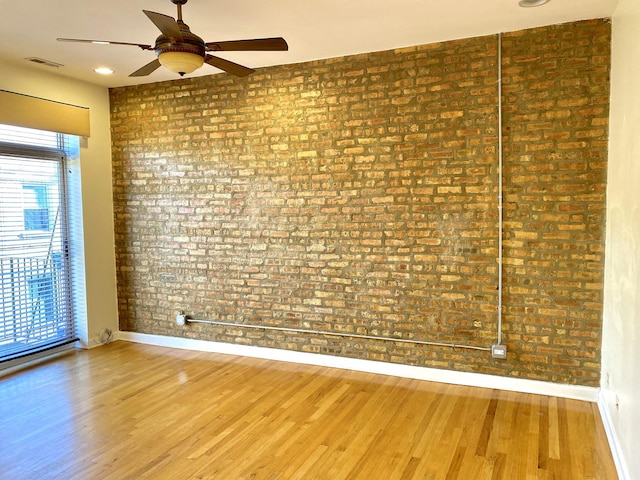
(532, 3)
(103, 71)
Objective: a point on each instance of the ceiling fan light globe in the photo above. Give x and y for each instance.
(181, 62)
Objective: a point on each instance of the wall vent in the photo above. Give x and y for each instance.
(42, 61)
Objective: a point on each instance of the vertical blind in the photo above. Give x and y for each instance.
(35, 273)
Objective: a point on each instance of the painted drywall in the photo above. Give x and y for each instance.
(97, 205)
(621, 333)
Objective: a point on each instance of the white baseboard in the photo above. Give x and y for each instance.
(589, 394)
(612, 437)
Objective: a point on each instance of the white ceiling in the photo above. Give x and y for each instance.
(314, 29)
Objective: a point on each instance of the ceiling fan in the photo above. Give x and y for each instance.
(183, 52)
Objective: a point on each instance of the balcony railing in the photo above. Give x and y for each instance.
(34, 310)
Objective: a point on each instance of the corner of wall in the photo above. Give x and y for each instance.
(605, 402)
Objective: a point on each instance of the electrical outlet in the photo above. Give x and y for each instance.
(499, 351)
(181, 319)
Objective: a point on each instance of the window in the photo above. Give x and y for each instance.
(35, 270)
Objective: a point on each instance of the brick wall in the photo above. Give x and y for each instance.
(359, 195)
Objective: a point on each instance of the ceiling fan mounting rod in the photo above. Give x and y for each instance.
(179, 4)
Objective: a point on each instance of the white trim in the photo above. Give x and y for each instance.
(612, 436)
(576, 392)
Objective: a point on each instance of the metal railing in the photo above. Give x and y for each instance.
(31, 289)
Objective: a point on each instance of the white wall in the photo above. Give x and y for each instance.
(621, 336)
(97, 204)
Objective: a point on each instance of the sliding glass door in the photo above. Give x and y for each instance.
(35, 282)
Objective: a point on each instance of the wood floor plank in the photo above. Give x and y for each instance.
(127, 411)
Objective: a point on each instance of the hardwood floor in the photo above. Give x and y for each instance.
(129, 411)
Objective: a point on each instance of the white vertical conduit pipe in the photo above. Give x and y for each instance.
(500, 215)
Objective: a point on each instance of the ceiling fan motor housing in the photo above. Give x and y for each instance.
(190, 42)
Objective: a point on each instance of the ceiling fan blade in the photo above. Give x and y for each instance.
(258, 44)
(147, 69)
(105, 42)
(228, 66)
(166, 24)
